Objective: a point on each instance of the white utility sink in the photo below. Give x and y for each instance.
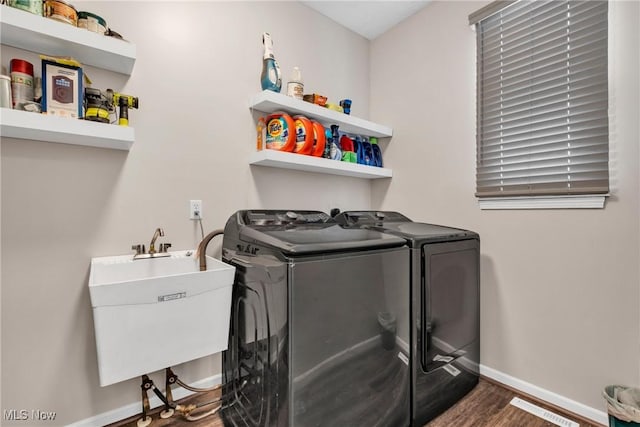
(153, 313)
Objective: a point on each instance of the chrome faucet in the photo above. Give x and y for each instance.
(201, 252)
(164, 247)
(152, 247)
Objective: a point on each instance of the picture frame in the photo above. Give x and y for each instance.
(62, 90)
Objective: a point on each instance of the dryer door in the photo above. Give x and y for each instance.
(450, 301)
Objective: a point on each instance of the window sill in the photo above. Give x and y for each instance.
(543, 202)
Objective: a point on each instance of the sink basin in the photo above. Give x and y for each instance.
(153, 313)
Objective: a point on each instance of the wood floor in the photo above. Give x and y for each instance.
(487, 405)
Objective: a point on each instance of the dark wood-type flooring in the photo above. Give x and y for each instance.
(487, 405)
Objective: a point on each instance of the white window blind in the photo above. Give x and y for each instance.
(542, 101)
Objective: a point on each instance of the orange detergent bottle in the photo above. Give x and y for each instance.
(280, 132)
(304, 135)
(320, 139)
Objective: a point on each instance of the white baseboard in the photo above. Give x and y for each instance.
(585, 411)
(135, 408)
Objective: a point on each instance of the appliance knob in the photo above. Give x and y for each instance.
(291, 215)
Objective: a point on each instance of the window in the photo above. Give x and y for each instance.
(542, 99)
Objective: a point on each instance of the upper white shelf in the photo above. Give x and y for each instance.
(268, 102)
(40, 127)
(301, 162)
(27, 31)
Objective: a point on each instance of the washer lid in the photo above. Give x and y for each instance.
(304, 239)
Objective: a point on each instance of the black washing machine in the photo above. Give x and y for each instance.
(445, 308)
(320, 323)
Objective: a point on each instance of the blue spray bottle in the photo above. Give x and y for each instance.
(328, 141)
(270, 78)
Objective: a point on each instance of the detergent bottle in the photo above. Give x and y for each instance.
(335, 153)
(326, 153)
(270, 78)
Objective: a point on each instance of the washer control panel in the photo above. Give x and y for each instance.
(277, 217)
(370, 217)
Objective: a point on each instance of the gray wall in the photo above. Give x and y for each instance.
(198, 64)
(560, 288)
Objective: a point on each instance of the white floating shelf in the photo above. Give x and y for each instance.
(40, 127)
(280, 159)
(46, 36)
(268, 102)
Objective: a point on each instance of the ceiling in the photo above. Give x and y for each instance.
(367, 17)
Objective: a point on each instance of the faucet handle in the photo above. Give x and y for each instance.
(139, 248)
(164, 247)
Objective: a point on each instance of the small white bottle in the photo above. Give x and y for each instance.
(295, 86)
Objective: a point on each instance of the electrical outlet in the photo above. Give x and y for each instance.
(195, 209)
